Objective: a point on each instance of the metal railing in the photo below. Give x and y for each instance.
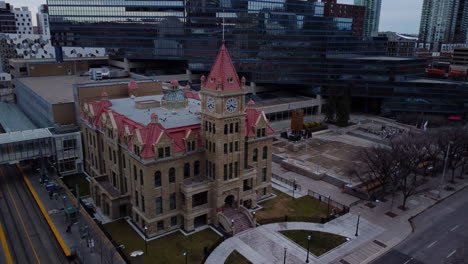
(288, 182)
(338, 207)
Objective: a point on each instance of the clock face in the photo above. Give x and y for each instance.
(210, 104)
(231, 105)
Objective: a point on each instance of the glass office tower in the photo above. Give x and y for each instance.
(280, 41)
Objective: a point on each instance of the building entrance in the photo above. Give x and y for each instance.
(229, 202)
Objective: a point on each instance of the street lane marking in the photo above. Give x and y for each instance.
(51, 224)
(408, 261)
(453, 252)
(5, 246)
(453, 229)
(21, 220)
(430, 245)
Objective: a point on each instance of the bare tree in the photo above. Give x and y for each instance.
(408, 154)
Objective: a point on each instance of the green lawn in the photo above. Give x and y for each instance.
(305, 209)
(168, 249)
(236, 258)
(80, 179)
(320, 242)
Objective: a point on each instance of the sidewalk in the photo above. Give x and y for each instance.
(264, 244)
(321, 187)
(76, 240)
(397, 227)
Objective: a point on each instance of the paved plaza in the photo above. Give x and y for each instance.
(264, 244)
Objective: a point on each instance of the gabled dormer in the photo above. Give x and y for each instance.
(163, 146)
(190, 141)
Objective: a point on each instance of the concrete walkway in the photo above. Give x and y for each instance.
(264, 244)
(103, 250)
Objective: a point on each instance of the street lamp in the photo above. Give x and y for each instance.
(308, 248)
(284, 260)
(328, 207)
(445, 166)
(294, 186)
(357, 226)
(146, 242)
(186, 257)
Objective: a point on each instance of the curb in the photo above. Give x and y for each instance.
(410, 220)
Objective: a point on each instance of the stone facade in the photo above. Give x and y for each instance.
(167, 178)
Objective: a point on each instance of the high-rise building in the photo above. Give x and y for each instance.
(372, 16)
(23, 19)
(357, 13)
(42, 17)
(444, 21)
(7, 18)
(288, 42)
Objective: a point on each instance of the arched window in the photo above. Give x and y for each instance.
(196, 168)
(172, 176)
(142, 182)
(157, 179)
(186, 170)
(135, 173)
(265, 152)
(255, 155)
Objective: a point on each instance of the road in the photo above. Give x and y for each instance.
(27, 233)
(440, 235)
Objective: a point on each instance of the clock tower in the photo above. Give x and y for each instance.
(223, 129)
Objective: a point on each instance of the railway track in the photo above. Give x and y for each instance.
(29, 237)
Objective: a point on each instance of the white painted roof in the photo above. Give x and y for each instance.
(167, 118)
(25, 135)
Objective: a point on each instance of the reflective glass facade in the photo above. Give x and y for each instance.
(279, 41)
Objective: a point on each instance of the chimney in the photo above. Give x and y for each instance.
(104, 96)
(203, 79)
(154, 118)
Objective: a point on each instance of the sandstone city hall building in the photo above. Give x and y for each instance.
(180, 159)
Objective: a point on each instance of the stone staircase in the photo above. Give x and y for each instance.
(241, 222)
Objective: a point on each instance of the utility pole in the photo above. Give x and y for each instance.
(443, 172)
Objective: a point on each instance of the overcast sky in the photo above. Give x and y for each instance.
(402, 16)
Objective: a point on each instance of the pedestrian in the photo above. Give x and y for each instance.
(50, 194)
(68, 228)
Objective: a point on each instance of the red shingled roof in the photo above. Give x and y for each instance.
(192, 95)
(251, 118)
(223, 72)
(150, 135)
(99, 107)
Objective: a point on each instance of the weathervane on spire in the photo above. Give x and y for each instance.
(223, 25)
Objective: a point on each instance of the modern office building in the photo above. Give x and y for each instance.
(42, 17)
(399, 45)
(444, 21)
(287, 42)
(23, 19)
(290, 45)
(372, 16)
(7, 18)
(182, 159)
(357, 13)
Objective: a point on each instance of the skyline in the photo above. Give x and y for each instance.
(401, 16)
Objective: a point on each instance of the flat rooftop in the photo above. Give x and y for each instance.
(167, 118)
(426, 80)
(59, 89)
(278, 98)
(387, 58)
(51, 60)
(25, 135)
(12, 119)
